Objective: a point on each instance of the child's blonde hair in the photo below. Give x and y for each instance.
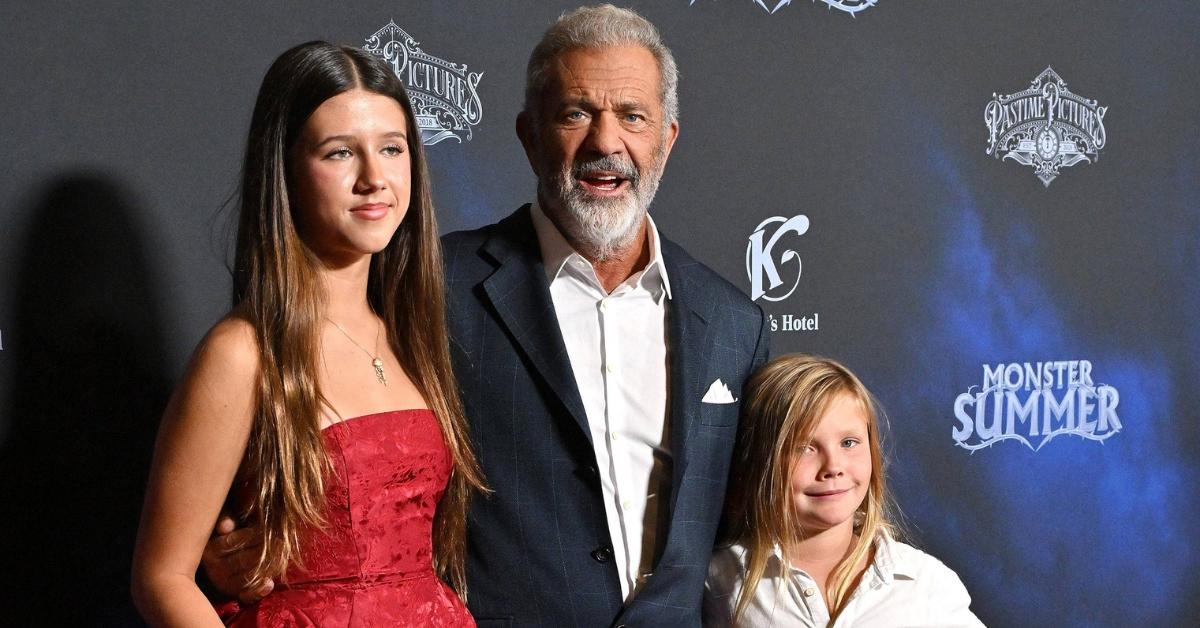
(781, 405)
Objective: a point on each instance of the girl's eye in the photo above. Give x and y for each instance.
(393, 150)
(849, 442)
(339, 153)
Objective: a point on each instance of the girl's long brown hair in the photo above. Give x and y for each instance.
(276, 287)
(782, 404)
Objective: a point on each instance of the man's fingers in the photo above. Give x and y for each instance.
(230, 557)
(225, 525)
(250, 597)
(236, 541)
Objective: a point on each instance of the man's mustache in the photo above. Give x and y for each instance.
(610, 164)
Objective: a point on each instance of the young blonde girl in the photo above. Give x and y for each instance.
(807, 538)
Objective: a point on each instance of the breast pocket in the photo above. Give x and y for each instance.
(719, 414)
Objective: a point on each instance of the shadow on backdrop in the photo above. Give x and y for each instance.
(90, 384)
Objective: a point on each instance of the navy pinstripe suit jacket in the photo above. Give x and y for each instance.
(536, 547)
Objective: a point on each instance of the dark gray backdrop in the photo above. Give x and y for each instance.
(925, 259)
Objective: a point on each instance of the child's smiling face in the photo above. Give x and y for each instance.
(830, 474)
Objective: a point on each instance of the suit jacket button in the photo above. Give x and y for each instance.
(602, 555)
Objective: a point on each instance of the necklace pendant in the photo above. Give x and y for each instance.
(378, 364)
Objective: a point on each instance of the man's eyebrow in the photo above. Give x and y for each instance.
(578, 101)
(630, 103)
(585, 102)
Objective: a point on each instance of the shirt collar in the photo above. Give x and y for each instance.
(889, 563)
(557, 252)
(887, 566)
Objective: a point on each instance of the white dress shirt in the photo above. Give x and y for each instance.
(903, 586)
(618, 351)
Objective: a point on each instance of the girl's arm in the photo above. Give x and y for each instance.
(200, 444)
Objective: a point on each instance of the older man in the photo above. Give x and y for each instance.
(600, 364)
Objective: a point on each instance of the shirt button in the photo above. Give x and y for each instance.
(603, 305)
(809, 592)
(602, 555)
(608, 368)
(626, 505)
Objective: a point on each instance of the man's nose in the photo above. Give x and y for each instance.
(604, 135)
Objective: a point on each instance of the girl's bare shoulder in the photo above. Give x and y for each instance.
(232, 343)
(225, 364)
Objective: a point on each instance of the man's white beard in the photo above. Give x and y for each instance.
(600, 228)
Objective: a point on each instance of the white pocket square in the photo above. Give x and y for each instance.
(718, 392)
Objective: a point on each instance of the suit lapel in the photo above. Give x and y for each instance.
(690, 340)
(521, 297)
(519, 293)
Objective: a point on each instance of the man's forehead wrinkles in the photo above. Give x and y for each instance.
(592, 68)
(596, 71)
(567, 73)
(615, 91)
(622, 100)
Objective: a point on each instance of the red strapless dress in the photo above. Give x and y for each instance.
(373, 565)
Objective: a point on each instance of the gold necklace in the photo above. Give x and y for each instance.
(376, 361)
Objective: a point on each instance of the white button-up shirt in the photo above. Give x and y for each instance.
(903, 586)
(618, 351)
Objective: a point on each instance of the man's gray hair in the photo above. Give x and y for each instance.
(598, 27)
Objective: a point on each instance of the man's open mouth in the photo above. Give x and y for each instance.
(601, 183)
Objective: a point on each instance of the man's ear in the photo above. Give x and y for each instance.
(672, 133)
(526, 135)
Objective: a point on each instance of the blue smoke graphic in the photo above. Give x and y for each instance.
(1078, 533)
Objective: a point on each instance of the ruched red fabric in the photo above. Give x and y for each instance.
(373, 565)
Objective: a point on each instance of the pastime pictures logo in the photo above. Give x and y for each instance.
(848, 6)
(768, 260)
(1046, 127)
(443, 93)
(1035, 402)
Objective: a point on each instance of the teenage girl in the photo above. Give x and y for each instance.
(322, 411)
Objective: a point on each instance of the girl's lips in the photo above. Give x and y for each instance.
(828, 494)
(370, 211)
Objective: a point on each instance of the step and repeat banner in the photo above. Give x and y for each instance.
(989, 210)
